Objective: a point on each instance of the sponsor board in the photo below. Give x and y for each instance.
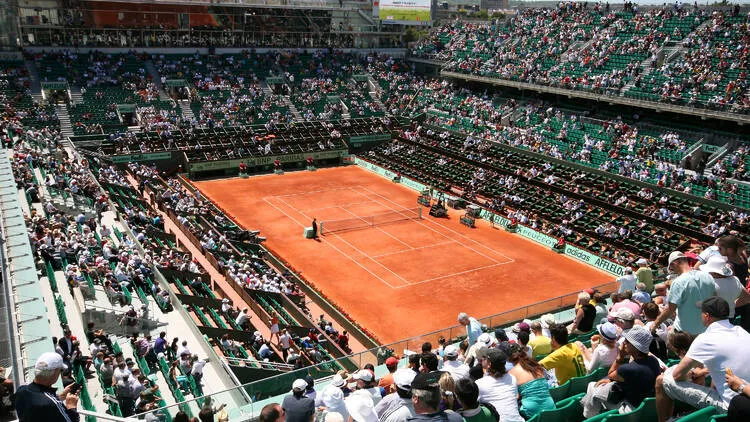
(154, 156)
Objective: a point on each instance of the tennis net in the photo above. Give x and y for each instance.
(356, 223)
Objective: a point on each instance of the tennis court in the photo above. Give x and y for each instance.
(395, 273)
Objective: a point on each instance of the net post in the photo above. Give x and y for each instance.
(321, 228)
(420, 213)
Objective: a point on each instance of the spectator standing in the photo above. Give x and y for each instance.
(332, 397)
(498, 387)
(722, 346)
(627, 281)
(38, 401)
(298, 407)
(365, 380)
(473, 327)
(686, 293)
(285, 343)
(644, 274)
(566, 358)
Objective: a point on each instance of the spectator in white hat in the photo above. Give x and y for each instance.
(627, 281)
(297, 406)
(332, 397)
(397, 407)
(484, 342)
(603, 349)
(360, 407)
(39, 401)
(547, 320)
(644, 274)
(686, 293)
(452, 365)
(365, 380)
(728, 287)
(633, 373)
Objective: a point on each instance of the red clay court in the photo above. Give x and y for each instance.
(404, 278)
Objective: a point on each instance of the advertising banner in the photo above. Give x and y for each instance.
(409, 12)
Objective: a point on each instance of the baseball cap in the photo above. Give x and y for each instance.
(717, 264)
(607, 330)
(450, 351)
(299, 385)
(641, 261)
(640, 338)
(333, 417)
(391, 362)
(674, 256)
(363, 374)
(623, 313)
(426, 381)
(628, 270)
(590, 291)
(497, 358)
(50, 361)
(360, 406)
(716, 306)
(403, 378)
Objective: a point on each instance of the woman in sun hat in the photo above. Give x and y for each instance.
(728, 286)
(603, 349)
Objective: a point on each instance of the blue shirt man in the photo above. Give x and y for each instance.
(473, 327)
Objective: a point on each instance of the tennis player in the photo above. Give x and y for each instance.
(315, 228)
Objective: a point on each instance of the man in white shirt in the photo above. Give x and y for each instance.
(183, 349)
(627, 282)
(285, 340)
(451, 364)
(397, 407)
(197, 368)
(242, 319)
(722, 346)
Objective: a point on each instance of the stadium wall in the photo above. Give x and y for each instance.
(394, 52)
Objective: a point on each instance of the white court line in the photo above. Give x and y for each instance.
(448, 228)
(414, 249)
(316, 191)
(455, 274)
(381, 230)
(330, 244)
(352, 246)
(337, 206)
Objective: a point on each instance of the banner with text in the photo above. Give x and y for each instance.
(595, 260)
(407, 12)
(264, 161)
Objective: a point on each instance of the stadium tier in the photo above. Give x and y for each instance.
(233, 211)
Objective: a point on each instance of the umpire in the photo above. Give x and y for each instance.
(39, 402)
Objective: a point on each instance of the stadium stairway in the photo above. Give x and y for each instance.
(187, 112)
(292, 108)
(374, 87)
(76, 97)
(36, 85)
(66, 127)
(151, 69)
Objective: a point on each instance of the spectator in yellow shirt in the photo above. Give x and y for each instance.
(566, 358)
(540, 344)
